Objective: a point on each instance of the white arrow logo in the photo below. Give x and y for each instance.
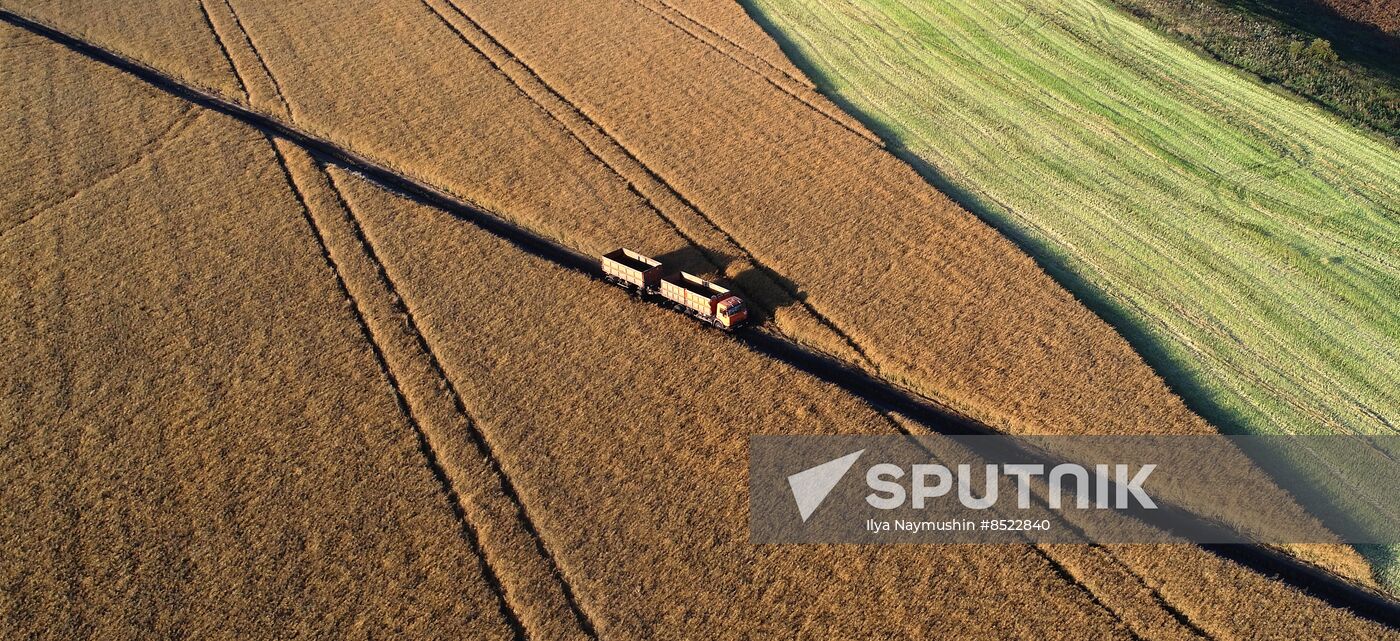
(810, 486)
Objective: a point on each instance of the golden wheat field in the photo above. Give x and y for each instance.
(299, 342)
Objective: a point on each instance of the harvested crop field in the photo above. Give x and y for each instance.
(288, 373)
(196, 444)
(595, 158)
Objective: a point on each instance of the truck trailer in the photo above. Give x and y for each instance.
(633, 271)
(686, 292)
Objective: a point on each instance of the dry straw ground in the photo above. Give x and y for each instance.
(614, 440)
(196, 442)
(586, 136)
(605, 437)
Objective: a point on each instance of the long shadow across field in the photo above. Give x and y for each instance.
(876, 391)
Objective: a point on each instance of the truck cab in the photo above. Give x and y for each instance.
(731, 311)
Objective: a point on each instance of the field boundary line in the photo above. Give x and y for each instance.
(856, 129)
(1310, 579)
(589, 123)
(483, 447)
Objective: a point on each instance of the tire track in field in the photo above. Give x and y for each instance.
(469, 533)
(580, 125)
(755, 55)
(262, 62)
(1309, 579)
(728, 48)
(1181, 618)
(1061, 570)
(478, 437)
(1069, 577)
(366, 250)
(595, 154)
(1054, 564)
(223, 48)
(467, 530)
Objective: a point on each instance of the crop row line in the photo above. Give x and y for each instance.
(880, 393)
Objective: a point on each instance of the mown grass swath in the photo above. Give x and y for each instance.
(1245, 240)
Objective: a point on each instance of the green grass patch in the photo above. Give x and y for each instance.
(1246, 241)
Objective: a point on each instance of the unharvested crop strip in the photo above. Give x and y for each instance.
(661, 13)
(468, 531)
(1308, 579)
(589, 124)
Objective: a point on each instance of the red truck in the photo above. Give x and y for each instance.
(688, 292)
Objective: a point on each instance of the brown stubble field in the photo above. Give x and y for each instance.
(644, 506)
(196, 443)
(577, 516)
(941, 302)
(860, 257)
(157, 530)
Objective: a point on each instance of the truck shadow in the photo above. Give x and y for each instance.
(766, 291)
(694, 260)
